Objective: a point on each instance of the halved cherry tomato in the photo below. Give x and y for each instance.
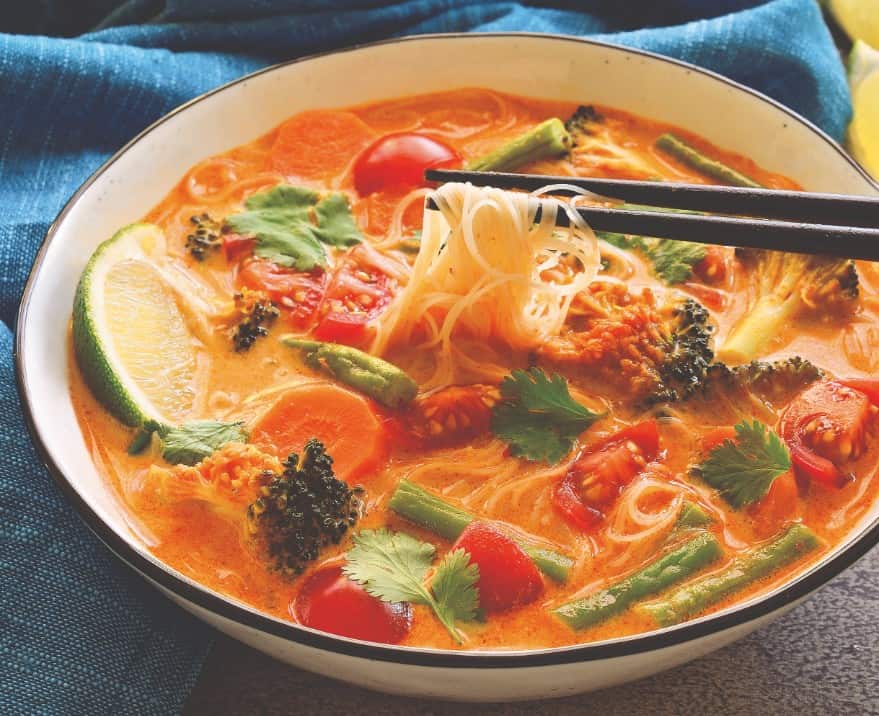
(399, 160)
(596, 479)
(331, 602)
(298, 294)
(825, 425)
(507, 576)
(355, 295)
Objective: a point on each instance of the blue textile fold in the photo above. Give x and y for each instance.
(79, 633)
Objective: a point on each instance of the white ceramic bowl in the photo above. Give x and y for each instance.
(561, 68)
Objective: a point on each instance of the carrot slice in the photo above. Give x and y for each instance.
(344, 422)
(319, 144)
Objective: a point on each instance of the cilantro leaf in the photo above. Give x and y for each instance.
(454, 587)
(335, 224)
(191, 442)
(281, 221)
(743, 471)
(672, 261)
(538, 417)
(392, 566)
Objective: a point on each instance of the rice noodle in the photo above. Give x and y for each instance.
(484, 271)
(632, 530)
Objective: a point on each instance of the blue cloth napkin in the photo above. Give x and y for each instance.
(80, 633)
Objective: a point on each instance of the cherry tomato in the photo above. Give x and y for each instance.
(825, 426)
(399, 160)
(331, 602)
(355, 295)
(507, 576)
(596, 479)
(297, 293)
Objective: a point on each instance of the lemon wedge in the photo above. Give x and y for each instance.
(859, 18)
(863, 132)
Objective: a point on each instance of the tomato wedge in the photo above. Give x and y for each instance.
(298, 294)
(583, 496)
(399, 160)
(507, 576)
(825, 426)
(356, 293)
(331, 602)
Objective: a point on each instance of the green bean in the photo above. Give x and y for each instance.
(373, 376)
(693, 598)
(547, 140)
(447, 521)
(692, 157)
(655, 577)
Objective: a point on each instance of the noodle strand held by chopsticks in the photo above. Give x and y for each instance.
(486, 271)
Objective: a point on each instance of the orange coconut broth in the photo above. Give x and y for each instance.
(317, 149)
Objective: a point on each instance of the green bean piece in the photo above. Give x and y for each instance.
(431, 512)
(547, 140)
(692, 157)
(692, 516)
(693, 598)
(672, 567)
(373, 376)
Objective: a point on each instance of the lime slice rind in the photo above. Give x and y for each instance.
(130, 340)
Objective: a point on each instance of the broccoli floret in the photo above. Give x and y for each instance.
(688, 353)
(757, 385)
(660, 353)
(205, 237)
(582, 122)
(302, 510)
(256, 312)
(787, 286)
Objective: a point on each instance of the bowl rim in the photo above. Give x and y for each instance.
(226, 607)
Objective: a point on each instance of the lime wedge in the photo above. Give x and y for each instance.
(130, 339)
(859, 18)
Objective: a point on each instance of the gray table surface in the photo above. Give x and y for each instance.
(822, 658)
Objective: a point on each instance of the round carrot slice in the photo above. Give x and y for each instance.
(319, 144)
(343, 421)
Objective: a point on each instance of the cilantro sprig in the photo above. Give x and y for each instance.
(538, 417)
(743, 471)
(393, 566)
(191, 442)
(673, 261)
(291, 225)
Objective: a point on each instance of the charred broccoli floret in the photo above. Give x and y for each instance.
(787, 285)
(582, 122)
(688, 353)
(256, 312)
(302, 510)
(660, 352)
(205, 236)
(757, 388)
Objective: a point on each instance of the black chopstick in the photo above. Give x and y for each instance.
(798, 206)
(793, 237)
